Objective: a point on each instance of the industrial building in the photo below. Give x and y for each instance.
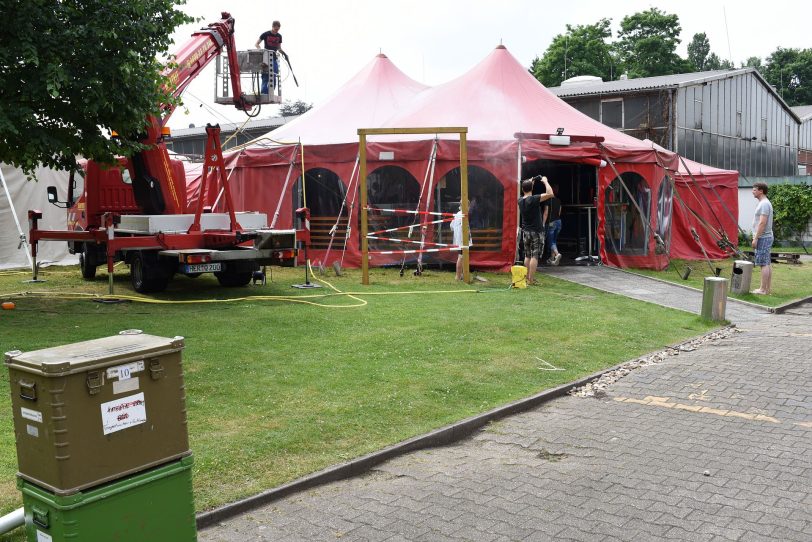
(730, 119)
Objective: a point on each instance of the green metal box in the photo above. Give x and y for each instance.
(152, 506)
(94, 411)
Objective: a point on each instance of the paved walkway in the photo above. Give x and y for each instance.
(712, 444)
(654, 291)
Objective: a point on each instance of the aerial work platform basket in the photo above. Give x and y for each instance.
(255, 66)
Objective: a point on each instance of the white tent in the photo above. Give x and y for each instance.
(27, 195)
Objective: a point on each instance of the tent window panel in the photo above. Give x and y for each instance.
(325, 193)
(486, 203)
(626, 231)
(665, 202)
(612, 113)
(391, 187)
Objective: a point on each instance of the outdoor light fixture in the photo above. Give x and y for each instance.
(559, 138)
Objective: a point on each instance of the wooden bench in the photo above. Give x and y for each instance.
(779, 257)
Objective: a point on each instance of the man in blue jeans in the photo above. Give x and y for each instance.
(553, 215)
(272, 41)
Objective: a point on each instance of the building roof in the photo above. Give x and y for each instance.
(804, 112)
(673, 81)
(645, 83)
(254, 124)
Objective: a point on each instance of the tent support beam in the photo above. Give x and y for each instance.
(23, 240)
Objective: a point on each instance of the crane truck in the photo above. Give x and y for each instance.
(136, 211)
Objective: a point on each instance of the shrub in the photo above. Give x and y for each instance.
(792, 205)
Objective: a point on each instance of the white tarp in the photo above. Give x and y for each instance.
(27, 195)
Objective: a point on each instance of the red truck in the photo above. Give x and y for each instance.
(137, 211)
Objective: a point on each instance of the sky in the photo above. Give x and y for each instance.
(329, 41)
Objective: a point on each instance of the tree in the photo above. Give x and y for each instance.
(582, 50)
(715, 63)
(793, 209)
(698, 51)
(647, 44)
(753, 62)
(289, 109)
(790, 72)
(74, 70)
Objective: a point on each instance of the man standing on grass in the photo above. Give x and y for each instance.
(532, 226)
(763, 236)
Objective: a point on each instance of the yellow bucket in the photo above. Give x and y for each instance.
(518, 274)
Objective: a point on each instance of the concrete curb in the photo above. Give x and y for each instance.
(780, 309)
(439, 437)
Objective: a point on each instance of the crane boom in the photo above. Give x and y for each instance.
(157, 189)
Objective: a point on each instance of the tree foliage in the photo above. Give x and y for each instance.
(792, 208)
(753, 62)
(289, 109)
(647, 44)
(75, 69)
(790, 72)
(698, 51)
(582, 50)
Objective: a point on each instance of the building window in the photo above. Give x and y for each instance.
(764, 128)
(786, 135)
(612, 112)
(698, 109)
(738, 123)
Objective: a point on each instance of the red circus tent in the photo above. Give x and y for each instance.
(603, 176)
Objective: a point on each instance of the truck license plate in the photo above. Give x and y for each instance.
(203, 268)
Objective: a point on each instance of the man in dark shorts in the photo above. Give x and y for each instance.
(272, 40)
(532, 229)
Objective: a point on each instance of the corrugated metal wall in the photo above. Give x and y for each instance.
(736, 123)
(805, 146)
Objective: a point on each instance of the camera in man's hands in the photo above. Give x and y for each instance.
(537, 178)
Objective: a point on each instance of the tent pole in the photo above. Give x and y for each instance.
(23, 240)
(362, 177)
(466, 230)
(518, 195)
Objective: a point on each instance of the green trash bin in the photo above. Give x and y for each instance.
(154, 506)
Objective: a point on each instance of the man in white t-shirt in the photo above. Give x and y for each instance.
(763, 236)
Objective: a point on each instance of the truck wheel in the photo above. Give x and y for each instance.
(147, 275)
(233, 278)
(87, 262)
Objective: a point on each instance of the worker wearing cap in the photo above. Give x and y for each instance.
(272, 41)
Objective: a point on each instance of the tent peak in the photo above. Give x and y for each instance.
(381, 55)
(500, 46)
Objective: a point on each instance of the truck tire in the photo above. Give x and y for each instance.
(88, 262)
(232, 279)
(147, 274)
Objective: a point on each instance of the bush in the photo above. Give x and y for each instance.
(792, 207)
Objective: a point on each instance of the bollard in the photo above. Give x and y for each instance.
(742, 275)
(714, 298)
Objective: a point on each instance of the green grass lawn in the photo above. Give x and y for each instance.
(277, 390)
(790, 282)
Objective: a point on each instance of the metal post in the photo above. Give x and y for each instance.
(466, 231)
(714, 298)
(16, 220)
(362, 159)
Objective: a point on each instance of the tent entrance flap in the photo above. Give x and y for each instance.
(576, 186)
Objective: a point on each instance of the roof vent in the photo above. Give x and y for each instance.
(581, 80)
(624, 76)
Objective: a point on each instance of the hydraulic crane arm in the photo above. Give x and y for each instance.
(196, 54)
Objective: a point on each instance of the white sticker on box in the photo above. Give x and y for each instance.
(124, 386)
(44, 537)
(33, 415)
(123, 372)
(32, 430)
(123, 413)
